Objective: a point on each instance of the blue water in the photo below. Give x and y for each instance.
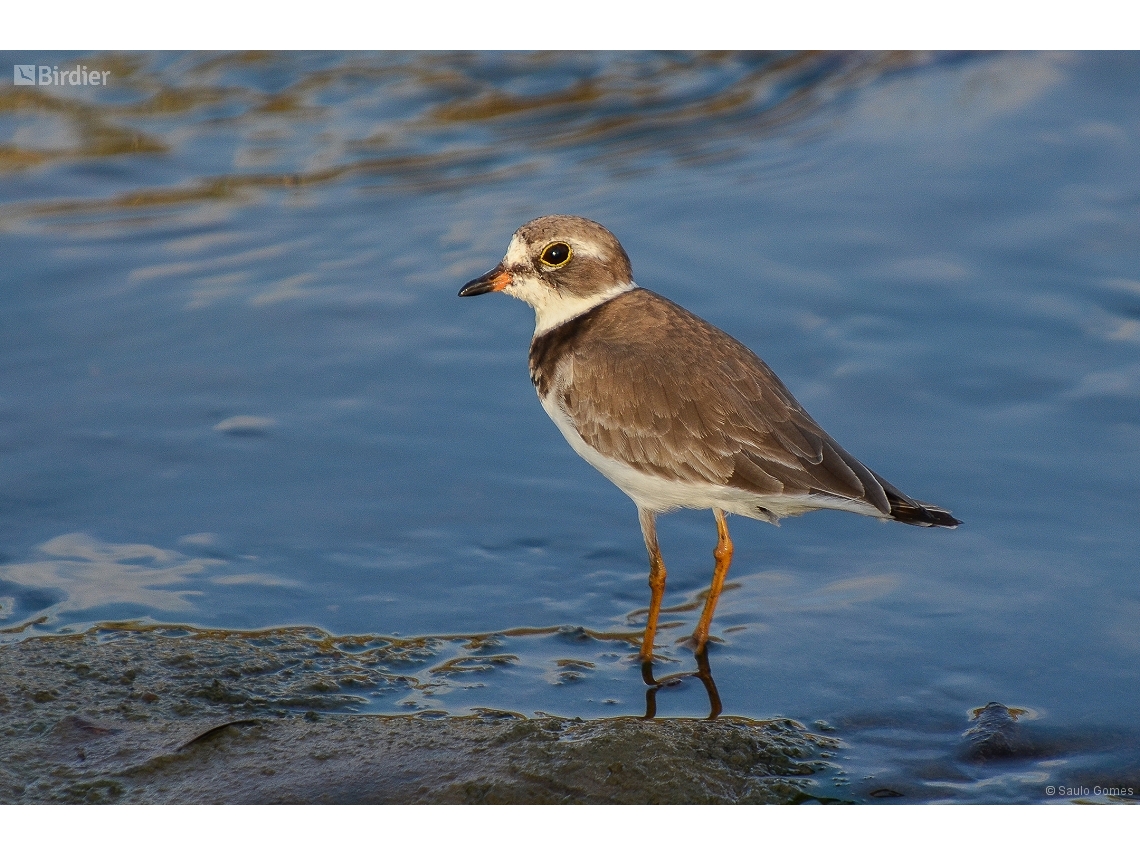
(237, 388)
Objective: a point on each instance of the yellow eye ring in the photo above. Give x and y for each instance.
(556, 254)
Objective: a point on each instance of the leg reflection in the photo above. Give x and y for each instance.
(703, 673)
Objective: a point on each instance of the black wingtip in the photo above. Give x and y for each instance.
(912, 512)
(926, 515)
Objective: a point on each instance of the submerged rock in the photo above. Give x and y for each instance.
(996, 734)
(200, 716)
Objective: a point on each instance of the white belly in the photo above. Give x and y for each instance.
(657, 494)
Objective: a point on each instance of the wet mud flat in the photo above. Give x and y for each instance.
(155, 713)
(199, 716)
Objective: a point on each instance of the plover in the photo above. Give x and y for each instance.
(675, 412)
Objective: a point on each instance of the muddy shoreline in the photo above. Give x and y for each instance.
(207, 717)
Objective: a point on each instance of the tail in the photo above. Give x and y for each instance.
(907, 510)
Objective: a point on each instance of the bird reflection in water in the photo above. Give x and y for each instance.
(703, 673)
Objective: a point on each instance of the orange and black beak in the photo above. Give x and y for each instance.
(492, 280)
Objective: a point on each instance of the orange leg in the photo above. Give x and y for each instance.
(656, 581)
(723, 556)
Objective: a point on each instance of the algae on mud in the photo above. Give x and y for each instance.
(151, 714)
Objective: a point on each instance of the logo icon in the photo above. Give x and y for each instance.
(24, 75)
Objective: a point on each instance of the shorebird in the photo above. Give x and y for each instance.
(672, 410)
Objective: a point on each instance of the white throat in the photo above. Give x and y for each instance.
(552, 309)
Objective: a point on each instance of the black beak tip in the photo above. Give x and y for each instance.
(475, 287)
(482, 284)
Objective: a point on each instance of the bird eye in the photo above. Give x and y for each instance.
(556, 254)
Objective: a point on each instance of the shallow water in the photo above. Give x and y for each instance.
(237, 389)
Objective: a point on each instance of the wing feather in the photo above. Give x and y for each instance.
(648, 383)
